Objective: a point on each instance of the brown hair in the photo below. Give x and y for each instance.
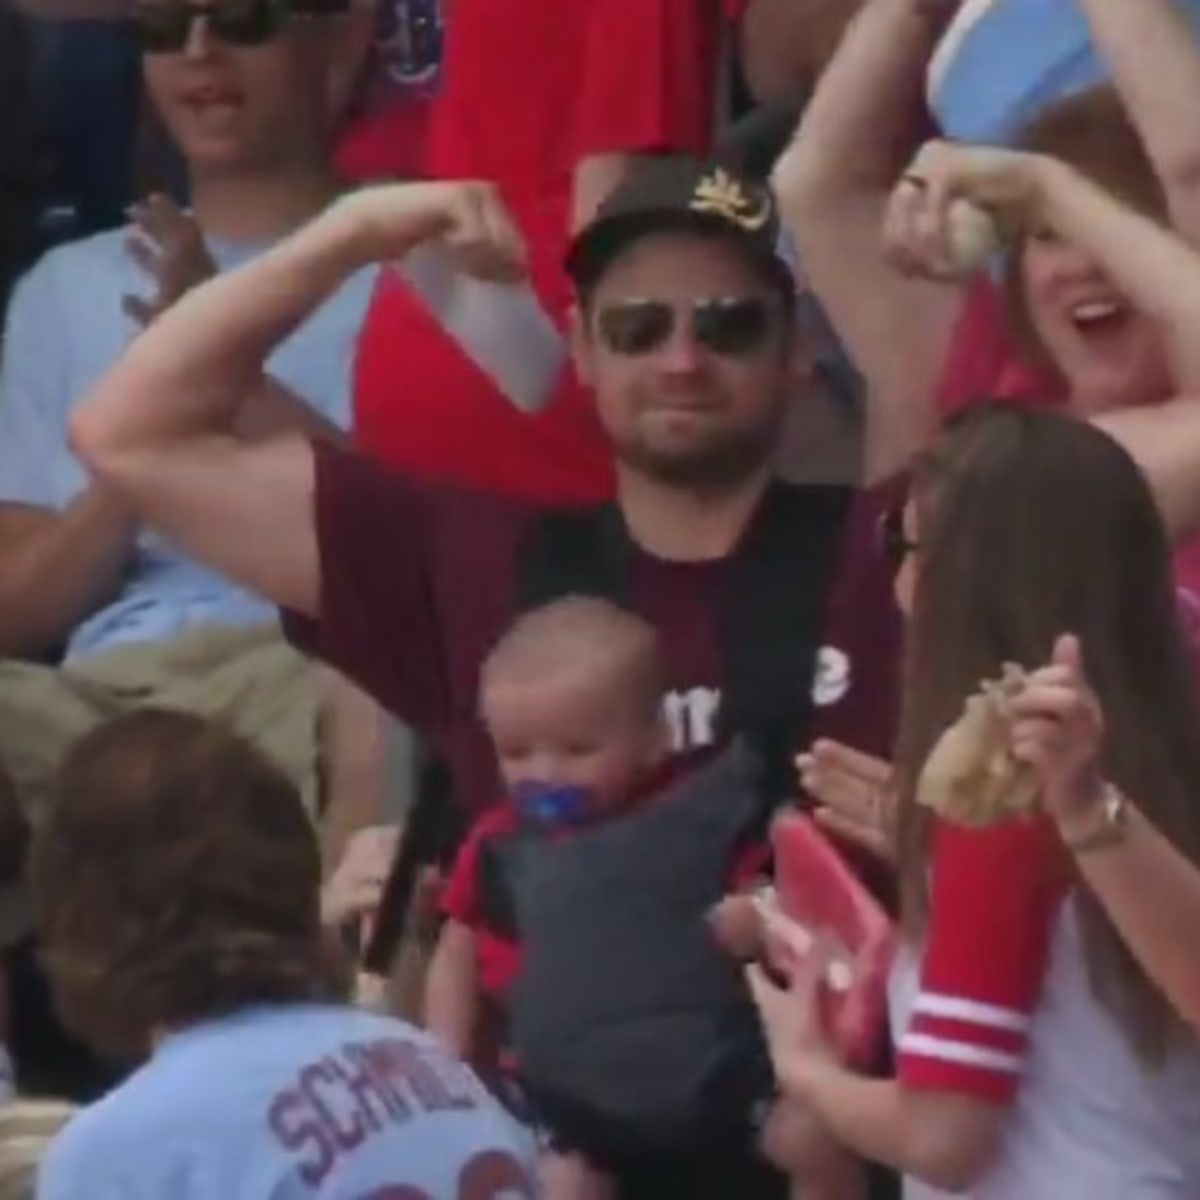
(1032, 524)
(1092, 132)
(175, 878)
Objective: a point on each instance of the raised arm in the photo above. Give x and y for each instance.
(159, 427)
(1150, 264)
(1153, 53)
(833, 185)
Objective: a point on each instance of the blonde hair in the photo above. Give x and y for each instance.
(585, 632)
(27, 1127)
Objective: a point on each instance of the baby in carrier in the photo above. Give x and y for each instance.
(575, 913)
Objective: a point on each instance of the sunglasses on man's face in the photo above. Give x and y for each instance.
(164, 26)
(895, 545)
(730, 326)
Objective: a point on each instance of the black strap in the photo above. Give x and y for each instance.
(774, 619)
(773, 616)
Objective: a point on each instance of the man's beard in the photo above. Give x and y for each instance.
(722, 465)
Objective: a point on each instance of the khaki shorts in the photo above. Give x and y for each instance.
(250, 679)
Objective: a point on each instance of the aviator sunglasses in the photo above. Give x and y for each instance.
(164, 26)
(726, 325)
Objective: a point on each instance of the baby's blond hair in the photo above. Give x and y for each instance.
(583, 633)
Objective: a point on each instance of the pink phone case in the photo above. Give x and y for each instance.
(817, 894)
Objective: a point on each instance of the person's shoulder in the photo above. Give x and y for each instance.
(72, 286)
(108, 1132)
(86, 259)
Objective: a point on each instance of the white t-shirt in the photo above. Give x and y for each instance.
(997, 1005)
(294, 1102)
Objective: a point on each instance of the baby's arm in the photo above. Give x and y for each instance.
(452, 989)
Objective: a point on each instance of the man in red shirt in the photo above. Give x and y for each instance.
(687, 335)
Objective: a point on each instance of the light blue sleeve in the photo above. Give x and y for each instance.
(34, 391)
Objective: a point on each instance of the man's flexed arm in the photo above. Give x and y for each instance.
(159, 426)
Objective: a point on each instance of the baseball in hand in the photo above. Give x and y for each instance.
(972, 239)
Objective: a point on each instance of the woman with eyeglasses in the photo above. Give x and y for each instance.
(1036, 1056)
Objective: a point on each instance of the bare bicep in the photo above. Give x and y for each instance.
(246, 510)
(896, 330)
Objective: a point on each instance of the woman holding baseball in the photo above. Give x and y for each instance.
(1082, 323)
(1036, 1057)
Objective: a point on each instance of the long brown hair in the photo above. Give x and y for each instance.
(1092, 132)
(1031, 524)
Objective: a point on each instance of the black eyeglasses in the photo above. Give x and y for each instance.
(727, 325)
(894, 543)
(164, 26)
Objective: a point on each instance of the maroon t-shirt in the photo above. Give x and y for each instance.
(418, 582)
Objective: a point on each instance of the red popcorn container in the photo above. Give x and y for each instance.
(817, 895)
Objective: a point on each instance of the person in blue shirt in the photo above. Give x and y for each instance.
(176, 886)
(96, 613)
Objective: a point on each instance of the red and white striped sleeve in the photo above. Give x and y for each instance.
(995, 895)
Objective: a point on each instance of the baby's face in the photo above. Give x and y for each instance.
(569, 733)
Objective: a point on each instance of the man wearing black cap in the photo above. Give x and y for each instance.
(773, 608)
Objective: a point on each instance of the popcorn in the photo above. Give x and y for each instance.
(971, 777)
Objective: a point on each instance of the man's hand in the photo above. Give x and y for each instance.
(168, 245)
(468, 220)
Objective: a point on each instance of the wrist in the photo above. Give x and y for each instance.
(1045, 178)
(806, 1079)
(382, 223)
(341, 238)
(1093, 818)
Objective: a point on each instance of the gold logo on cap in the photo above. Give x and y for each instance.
(722, 195)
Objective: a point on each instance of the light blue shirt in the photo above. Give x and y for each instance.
(1013, 59)
(65, 330)
(291, 1103)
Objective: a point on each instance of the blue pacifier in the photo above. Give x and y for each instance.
(552, 804)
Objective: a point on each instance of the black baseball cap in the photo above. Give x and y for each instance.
(681, 194)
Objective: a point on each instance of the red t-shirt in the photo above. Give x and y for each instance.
(984, 362)
(386, 143)
(527, 90)
(418, 582)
